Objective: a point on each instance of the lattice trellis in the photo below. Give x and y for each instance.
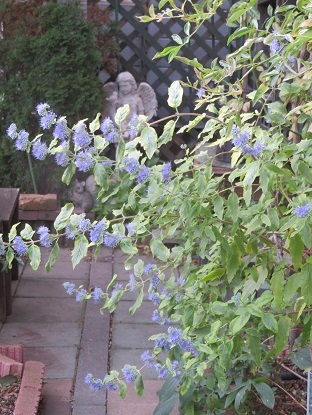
(140, 42)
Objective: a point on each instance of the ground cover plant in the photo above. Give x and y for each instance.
(237, 302)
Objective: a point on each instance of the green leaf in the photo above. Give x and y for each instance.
(238, 33)
(168, 397)
(306, 283)
(305, 171)
(167, 133)
(122, 389)
(13, 232)
(233, 261)
(266, 394)
(260, 92)
(159, 250)
(34, 256)
(302, 358)
(296, 249)
(233, 203)
(52, 257)
(240, 395)
(215, 273)
(120, 151)
(7, 380)
(100, 175)
(27, 233)
(282, 335)
(239, 322)
(127, 247)
(80, 249)
(138, 385)
(175, 94)
(254, 344)
(148, 139)
(277, 286)
(95, 124)
(63, 217)
(186, 385)
(68, 173)
(270, 322)
(137, 303)
(122, 114)
(291, 286)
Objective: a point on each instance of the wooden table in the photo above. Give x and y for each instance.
(8, 217)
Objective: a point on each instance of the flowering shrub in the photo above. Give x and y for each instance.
(226, 319)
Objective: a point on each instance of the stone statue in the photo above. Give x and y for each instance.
(141, 99)
(83, 194)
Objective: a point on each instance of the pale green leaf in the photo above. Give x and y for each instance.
(175, 94)
(80, 249)
(122, 114)
(148, 139)
(63, 217)
(34, 256)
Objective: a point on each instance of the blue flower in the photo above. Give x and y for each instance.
(241, 139)
(69, 287)
(109, 131)
(155, 281)
(110, 384)
(166, 172)
(156, 317)
(47, 120)
(84, 161)
(143, 174)
(21, 142)
(97, 231)
(39, 150)
(162, 343)
(12, 131)
(44, 237)
(97, 294)
(134, 125)
(148, 268)
(111, 239)
(131, 229)
(200, 93)
(83, 224)
(130, 164)
(81, 137)
(162, 372)
(61, 159)
(132, 282)
(60, 130)
(256, 150)
(96, 384)
(2, 249)
(236, 298)
(19, 246)
(81, 295)
(116, 288)
(275, 47)
(70, 231)
(147, 358)
(302, 211)
(174, 335)
(42, 108)
(129, 373)
(154, 297)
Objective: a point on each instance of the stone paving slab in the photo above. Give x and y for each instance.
(60, 362)
(61, 270)
(36, 334)
(142, 315)
(56, 395)
(100, 274)
(134, 404)
(90, 410)
(44, 288)
(133, 336)
(42, 310)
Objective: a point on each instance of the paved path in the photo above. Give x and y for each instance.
(72, 339)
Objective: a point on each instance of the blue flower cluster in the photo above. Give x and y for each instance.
(97, 231)
(109, 131)
(19, 246)
(39, 150)
(2, 249)
(166, 172)
(241, 138)
(134, 125)
(159, 319)
(44, 237)
(200, 93)
(130, 164)
(94, 383)
(81, 137)
(175, 337)
(81, 294)
(129, 373)
(302, 211)
(21, 138)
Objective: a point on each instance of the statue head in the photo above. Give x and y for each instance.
(126, 83)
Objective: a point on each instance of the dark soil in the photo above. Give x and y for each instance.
(8, 397)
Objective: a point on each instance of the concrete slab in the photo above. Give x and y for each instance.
(142, 315)
(62, 270)
(135, 336)
(42, 310)
(56, 394)
(44, 287)
(88, 410)
(101, 274)
(134, 404)
(37, 334)
(60, 362)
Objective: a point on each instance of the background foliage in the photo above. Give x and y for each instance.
(49, 52)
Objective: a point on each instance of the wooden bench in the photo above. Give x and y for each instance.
(8, 217)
